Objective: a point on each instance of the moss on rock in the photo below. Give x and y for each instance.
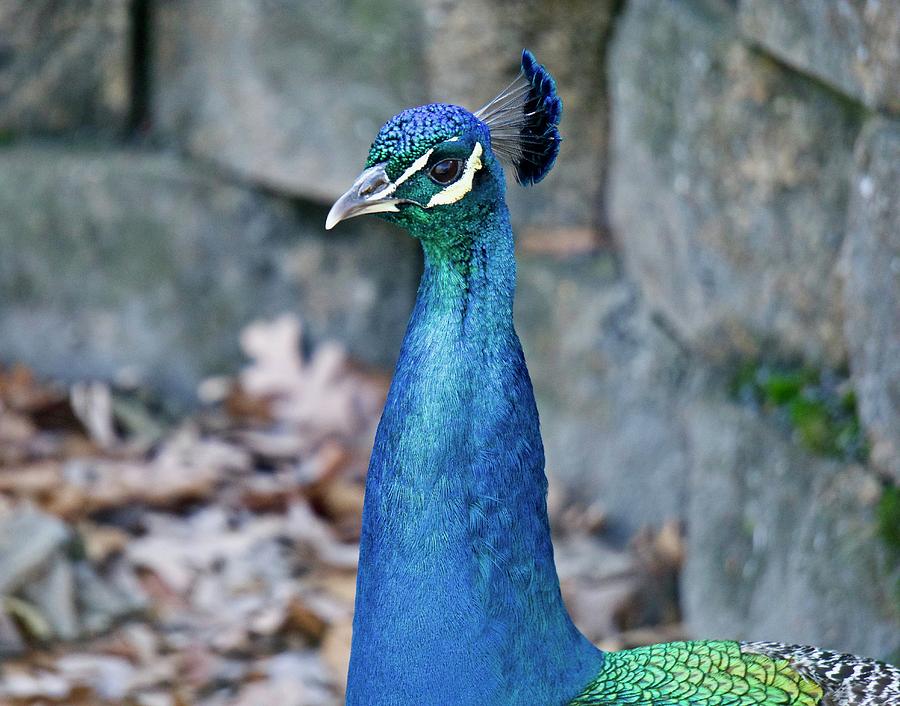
(819, 406)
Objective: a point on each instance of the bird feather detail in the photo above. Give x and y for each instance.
(524, 122)
(721, 673)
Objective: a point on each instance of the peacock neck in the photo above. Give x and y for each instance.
(458, 599)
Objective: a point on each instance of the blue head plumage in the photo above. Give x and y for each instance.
(410, 134)
(427, 159)
(521, 122)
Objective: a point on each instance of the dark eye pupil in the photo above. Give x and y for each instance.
(446, 170)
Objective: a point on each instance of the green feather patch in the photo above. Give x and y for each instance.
(705, 673)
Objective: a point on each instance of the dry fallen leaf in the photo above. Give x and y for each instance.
(319, 395)
(92, 404)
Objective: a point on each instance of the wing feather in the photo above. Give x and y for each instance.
(702, 673)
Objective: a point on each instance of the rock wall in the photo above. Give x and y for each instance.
(142, 263)
(709, 281)
(753, 186)
(65, 65)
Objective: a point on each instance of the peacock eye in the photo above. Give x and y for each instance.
(445, 171)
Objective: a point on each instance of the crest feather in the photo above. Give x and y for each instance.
(524, 122)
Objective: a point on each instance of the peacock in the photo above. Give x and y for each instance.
(458, 599)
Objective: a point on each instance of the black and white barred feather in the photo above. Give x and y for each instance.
(847, 680)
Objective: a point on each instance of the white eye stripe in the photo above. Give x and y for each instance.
(414, 167)
(410, 171)
(418, 164)
(461, 186)
(452, 193)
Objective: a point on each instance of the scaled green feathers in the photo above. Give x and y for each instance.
(711, 673)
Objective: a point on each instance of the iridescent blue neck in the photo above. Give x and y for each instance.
(458, 600)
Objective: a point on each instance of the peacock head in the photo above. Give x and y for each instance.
(432, 167)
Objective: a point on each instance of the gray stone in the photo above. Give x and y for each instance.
(11, 642)
(473, 50)
(872, 289)
(28, 541)
(64, 64)
(781, 545)
(852, 44)
(289, 94)
(101, 602)
(729, 186)
(52, 593)
(608, 383)
(138, 261)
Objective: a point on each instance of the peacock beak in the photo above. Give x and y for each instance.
(371, 193)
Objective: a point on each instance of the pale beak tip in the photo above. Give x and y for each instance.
(332, 220)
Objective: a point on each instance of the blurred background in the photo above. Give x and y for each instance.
(709, 301)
